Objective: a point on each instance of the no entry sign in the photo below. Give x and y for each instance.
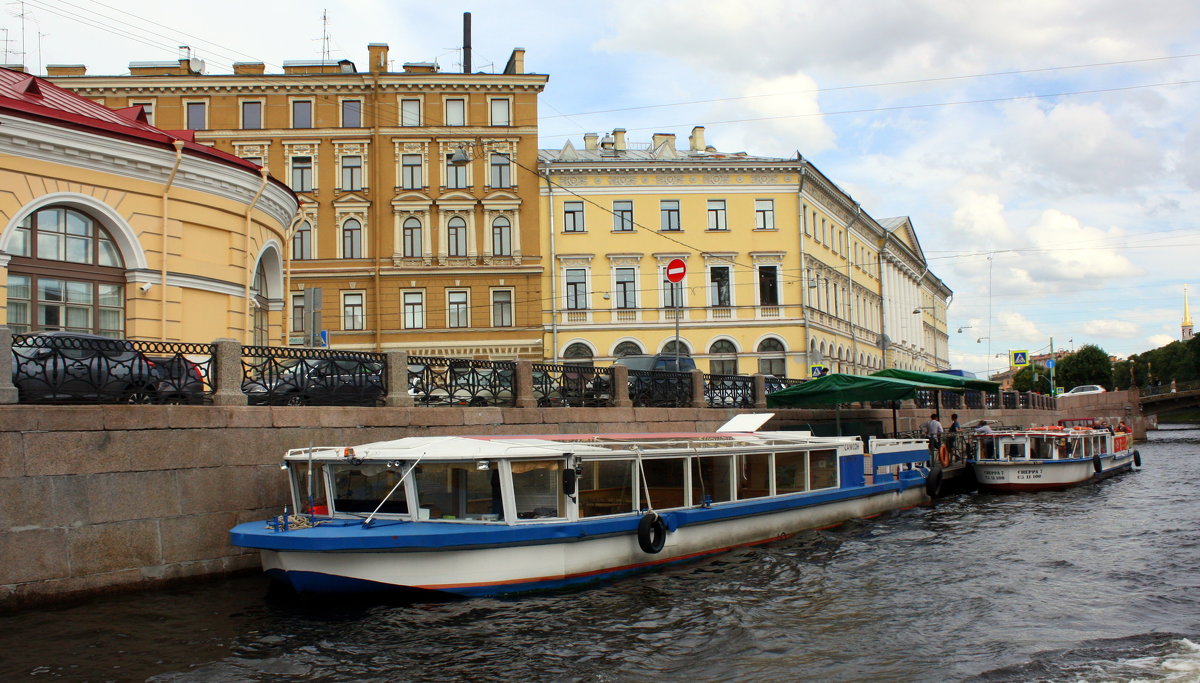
(676, 269)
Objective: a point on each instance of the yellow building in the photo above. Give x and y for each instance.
(419, 221)
(783, 267)
(111, 226)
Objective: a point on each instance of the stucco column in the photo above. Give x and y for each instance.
(8, 392)
(620, 387)
(760, 391)
(698, 400)
(227, 365)
(523, 398)
(396, 381)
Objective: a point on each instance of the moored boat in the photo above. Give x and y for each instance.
(1054, 457)
(500, 514)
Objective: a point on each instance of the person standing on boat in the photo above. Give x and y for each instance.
(954, 426)
(933, 431)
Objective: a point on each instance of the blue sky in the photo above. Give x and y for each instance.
(1058, 139)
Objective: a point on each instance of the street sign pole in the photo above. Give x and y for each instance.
(676, 270)
(1052, 364)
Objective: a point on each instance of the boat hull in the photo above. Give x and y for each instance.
(575, 558)
(1042, 475)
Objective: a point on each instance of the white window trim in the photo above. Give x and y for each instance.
(362, 241)
(342, 111)
(446, 111)
(153, 102)
(191, 100)
(450, 291)
(424, 310)
(262, 113)
(424, 172)
(662, 289)
(587, 288)
(362, 171)
(342, 312)
(732, 285)
(510, 111)
(512, 305)
(637, 294)
(420, 110)
(312, 112)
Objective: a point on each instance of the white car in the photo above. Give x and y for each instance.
(1086, 389)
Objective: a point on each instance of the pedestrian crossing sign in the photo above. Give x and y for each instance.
(816, 370)
(1018, 359)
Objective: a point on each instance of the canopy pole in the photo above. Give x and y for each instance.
(895, 423)
(838, 409)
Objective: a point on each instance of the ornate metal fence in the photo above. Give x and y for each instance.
(660, 389)
(434, 381)
(729, 391)
(571, 385)
(274, 375)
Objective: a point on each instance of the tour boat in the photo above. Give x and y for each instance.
(485, 515)
(1054, 457)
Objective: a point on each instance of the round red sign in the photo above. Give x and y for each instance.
(676, 269)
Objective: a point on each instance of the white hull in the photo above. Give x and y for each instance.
(1033, 475)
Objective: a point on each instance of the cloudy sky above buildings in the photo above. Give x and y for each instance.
(1046, 151)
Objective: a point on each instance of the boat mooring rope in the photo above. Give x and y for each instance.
(642, 472)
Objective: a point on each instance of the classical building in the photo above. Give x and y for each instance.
(915, 336)
(419, 219)
(111, 226)
(782, 266)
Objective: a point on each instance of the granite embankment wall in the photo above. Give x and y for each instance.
(100, 498)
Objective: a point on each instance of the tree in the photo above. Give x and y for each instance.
(1088, 365)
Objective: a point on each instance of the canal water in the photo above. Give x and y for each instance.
(1098, 583)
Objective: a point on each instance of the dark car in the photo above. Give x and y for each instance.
(654, 379)
(74, 367)
(180, 380)
(317, 381)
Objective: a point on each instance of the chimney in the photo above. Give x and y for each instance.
(619, 140)
(660, 138)
(378, 54)
(466, 42)
(54, 70)
(589, 141)
(696, 139)
(249, 68)
(516, 62)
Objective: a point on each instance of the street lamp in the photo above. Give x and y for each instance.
(918, 309)
(964, 327)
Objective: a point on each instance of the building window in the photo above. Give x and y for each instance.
(627, 348)
(258, 301)
(720, 290)
(252, 115)
(147, 109)
(410, 112)
(414, 310)
(197, 115)
(501, 112)
(573, 217)
(352, 173)
(716, 215)
(725, 358)
(672, 292)
(668, 214)
(576, 289)
(302, 114)
(302, 242)
(412, 238)
(579, 354)
(623, 216)
(456, 237)
(353, 311)
(774, 363)
(257, 161)
(502, 308)
(352, 238)
(764, 214)
(456, 176)
(768, 286)
(625, 281)
(410, 172)
(456, 112)
(458, 311)
(302, 174)
(297, 321)
(351, 113)
(501, 237)
(501, 175)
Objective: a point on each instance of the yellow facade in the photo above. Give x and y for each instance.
(409, 251)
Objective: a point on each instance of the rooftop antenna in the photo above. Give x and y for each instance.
(325, 35)
(41, 69)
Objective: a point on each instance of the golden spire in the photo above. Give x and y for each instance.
(1187, 317)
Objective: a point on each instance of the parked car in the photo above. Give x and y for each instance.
(652, 390)
(66, 367)
(179, 380)
(338, 380)
(1086, 389)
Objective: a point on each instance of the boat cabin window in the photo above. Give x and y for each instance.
(459, 490)
(823, 469)
(712, 479)
(664, 478)
(300, 488)
(537, 487)
(1014, 450)
(1043, 448)
(360, 488)
(791, 472)
(606, 488)
(753, 475)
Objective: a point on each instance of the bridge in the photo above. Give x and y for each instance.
(1164, 399)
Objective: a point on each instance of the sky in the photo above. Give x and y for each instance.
(1045, 150)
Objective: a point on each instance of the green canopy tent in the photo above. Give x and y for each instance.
(841, 388)
(941, 379)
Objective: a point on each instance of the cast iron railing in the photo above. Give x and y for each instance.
(556, 384)
(660, 389)
(729, 391)
(435, 381)
(277, 375)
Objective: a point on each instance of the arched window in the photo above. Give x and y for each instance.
(771, 359)
(258, 304)
(578, 354)
(302, 242)
(65, 274)
(724, 358)
(626, 348)
(352, 238)
(501, 237)
(684, 349)
(412, 238)
(456, 237)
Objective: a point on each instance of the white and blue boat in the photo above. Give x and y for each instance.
(495, 514)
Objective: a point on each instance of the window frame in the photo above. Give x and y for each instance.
(342, 111)
(446, 109)
(718, 220)
(573, 218)
(459, 174)
(242, 114)
(715, 290)
(356, 179)
(668, 215)
(622, 217)
(404, 115)
(412, 307)
(348, 316)
(625, 292)
(508, 119)
(499, 307)
(187, 114)
(310, 176)
(506, 231)
(575, 293)
(357, 235)
(764, 218)
(412, 176)
(460, 309)
(302, 241)
(501, 172)
(456, 238)
(417, 245)
(763, 287)
(148, 107)
(292, 104)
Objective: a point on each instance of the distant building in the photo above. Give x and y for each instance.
(1186, 327)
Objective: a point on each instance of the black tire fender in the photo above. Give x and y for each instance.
(933, 482)
(1137, 458)
(652, 533)
(1097, 464)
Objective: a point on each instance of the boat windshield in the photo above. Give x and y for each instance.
(360, 488)
(459, 490)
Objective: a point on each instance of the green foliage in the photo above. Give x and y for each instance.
(1179, 361)
(1088, 365)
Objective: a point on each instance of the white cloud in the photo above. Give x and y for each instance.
(1157, 340)
(1121, 329)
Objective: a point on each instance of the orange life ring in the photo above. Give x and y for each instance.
(944, 456)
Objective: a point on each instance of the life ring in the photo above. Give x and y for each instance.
(652, 532)
(933, 483)
(944, 455)
(1137, 458)
(1097, 464)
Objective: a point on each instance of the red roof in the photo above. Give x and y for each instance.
(29, 96)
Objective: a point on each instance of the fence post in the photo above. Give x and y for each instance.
(8, 392)
(620, 387)
(523, 387)
(698, 399)
(396, 363)
(760, 391)
(227, 363)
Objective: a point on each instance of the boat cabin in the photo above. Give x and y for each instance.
(1050, 443)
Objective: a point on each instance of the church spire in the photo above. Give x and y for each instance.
(1186, 327)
